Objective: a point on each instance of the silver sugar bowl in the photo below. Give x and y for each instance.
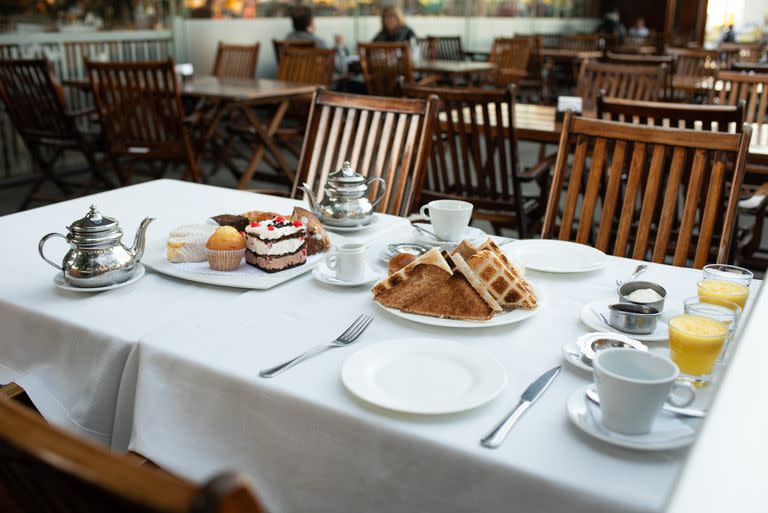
(97, 257)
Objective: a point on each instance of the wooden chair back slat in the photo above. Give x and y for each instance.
(307, 66)
(736, 88)
(279, 45)
(44, 468)
(236, 61)
(385, 66)
(696, 211)
(616, 80)
(473, 159)
(582, 42)
(391, 141)
(34, 100)
(693, 64)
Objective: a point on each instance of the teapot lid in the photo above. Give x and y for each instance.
(346, 176)
(93, 222)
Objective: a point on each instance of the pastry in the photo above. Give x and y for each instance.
(317, 238)
(238, 222)
(225, 249)
(399, 261)
(276, 244)
(503, 282)
(187, 243)
(256, 216)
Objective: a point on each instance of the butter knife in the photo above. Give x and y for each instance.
(499, 433)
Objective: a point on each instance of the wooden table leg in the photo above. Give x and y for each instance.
(265, 136)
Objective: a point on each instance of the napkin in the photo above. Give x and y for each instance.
(752, 202)
(667, 426)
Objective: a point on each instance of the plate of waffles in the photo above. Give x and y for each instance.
(465, 287)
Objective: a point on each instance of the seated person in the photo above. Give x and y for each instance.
(393, 27)
(304, 27)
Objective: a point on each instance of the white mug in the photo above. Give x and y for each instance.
(347, 261)
(633, 386)
(449, 218)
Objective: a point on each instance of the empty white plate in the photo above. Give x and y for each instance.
(557, 256)
(423, 376)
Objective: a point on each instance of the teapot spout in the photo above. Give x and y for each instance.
(139, 241)
(311, 198)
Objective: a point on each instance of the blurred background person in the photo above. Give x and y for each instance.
(639, 29)
(393, 27)
(611, 25)
(729, 36)
(304, 27)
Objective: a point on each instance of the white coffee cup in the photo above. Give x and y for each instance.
(347, 261)
(633, 386)
(449, 218)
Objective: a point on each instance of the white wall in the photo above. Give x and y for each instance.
(197, 39)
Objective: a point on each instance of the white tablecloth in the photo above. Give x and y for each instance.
(183, 359)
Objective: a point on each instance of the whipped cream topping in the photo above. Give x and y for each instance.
(281, 247)
(276, 228)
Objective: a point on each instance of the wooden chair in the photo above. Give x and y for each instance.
(35, 103)
(447, 48)
(511, 55)
(472, 161)
(380, 137)
(535, 84)
(279, 45)
(236, 61)
(385, 66)
(740, 52)
(44, 468)
(621, 167)
(307, 65)
(140, 109)
(647, 60)
(757, 67)
(673, 115)
(737, 88)
(617, 80)
(582, 42)
(694, 70)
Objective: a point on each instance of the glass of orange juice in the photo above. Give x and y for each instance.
(695, 342)
(725, 282)
(723, 311)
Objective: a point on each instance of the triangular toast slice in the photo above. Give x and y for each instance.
(508, 288)
(454, 299)
(491, 246)
(465, 249)
(421, 277)
(477, 284)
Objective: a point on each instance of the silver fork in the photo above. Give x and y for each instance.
(350, 335)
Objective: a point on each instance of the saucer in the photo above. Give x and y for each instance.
(350, 229)
(588, 317)
(668, 431)
(572, 355)
(59, 281)
(322, 273)
(474, 235)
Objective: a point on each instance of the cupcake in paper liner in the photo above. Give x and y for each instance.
(225, 249)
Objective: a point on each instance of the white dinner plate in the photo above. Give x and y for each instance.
(60, 282)
(581, 416)
(323, 274)
(352, 229)
(588, 317)
(557, 256)
(246, 276)
(423, 376)
(499, 319)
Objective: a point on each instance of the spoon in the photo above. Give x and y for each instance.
(683, 412)
(640, 269)
(602, 317)
(422, 230)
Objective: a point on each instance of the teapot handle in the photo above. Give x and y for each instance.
(382, 189)
(42, 243)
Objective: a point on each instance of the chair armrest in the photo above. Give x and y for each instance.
(79, 113)
(429, 80)
(539, 169)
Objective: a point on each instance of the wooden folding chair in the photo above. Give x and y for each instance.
(618, 81)
(385, 66)
(236, 61)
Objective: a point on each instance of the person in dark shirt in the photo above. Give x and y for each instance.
(393, 27)
(729, 36)
(304, 27)
(611, 25)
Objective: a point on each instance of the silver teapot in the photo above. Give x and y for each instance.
(345, 202)
(97, 257)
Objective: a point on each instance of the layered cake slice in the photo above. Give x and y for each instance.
(276, 244)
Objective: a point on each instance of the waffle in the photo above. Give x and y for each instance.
(491, 246)
(503, 282)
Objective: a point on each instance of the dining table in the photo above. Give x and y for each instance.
(169, 368)
(451, 70)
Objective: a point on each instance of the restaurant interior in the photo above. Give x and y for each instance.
(383, 255)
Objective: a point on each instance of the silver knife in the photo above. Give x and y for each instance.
(499, 433)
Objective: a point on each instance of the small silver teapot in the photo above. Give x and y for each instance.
(97, 257)
(346, 202)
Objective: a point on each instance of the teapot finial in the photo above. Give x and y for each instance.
(346, 169)
(94, 214)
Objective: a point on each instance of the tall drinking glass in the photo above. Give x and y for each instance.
(725, 283)
(695, 342)
(723, 311)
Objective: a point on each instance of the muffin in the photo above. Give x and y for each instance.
(225, 249)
